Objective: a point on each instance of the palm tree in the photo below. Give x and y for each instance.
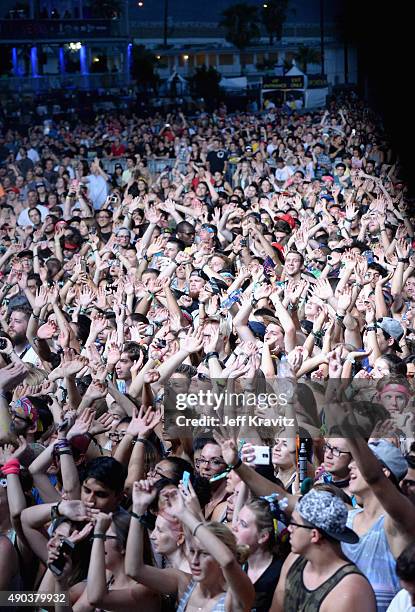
(274, 14)
(241, 24)
(307, 55)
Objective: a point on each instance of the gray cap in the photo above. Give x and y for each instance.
(327, 513)
(390, 456)
(393, 328)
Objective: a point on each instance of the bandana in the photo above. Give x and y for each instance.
(24, 408)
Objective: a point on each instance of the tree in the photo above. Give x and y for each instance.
(205, 83)
(241, 24)
(106, 9)
(274, 14)
(143, 67)
(307, 55)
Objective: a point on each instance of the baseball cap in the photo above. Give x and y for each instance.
(258, 329)
(24, 409)
(393, 328)
(200, 274)
(390, 456)
(327, 513)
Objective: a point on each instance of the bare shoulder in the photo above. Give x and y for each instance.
(348, 595)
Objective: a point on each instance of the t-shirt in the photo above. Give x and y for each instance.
(401, 602)
(97, 190)
(217, 160)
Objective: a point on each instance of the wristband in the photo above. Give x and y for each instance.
(64, 452)
(349, 220)
(317, 334)
(196, 528)
(212, 354)
(383, 229)
(254, 302)
(147, 520)
(358, 285)
(350, 359)
(237, 464)
(12, 466)
(371, 328)
(292, 307)
(98, 536)
(35, 316)
(403, 259)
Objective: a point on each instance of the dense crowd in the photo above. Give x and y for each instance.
(145, 262)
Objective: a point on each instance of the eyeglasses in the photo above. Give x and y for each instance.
(15, 416)
(293, 524)
(336, 452)
(408, 483)
(215, 462)
(115, 437)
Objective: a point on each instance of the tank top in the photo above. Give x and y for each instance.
(300, 599)
(265, 585)
(373, 557)
(219, 607)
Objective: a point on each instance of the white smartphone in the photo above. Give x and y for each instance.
(262, 455)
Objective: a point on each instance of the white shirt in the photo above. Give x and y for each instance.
(283, 174)
(23, 218)
(33, 155)
(401, 603)
(97, 190)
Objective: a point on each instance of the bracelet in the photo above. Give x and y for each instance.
(142, 440)
(237, 464)
(197, 527)
(349, 220)
(71, 281)
(403, 259)
(358, 285)
(98, 536)
(371, 327)
(137, 516)
(212, 354)
(64, 452)
(12, 466)
(317, 334)
(254, 302)
(350, 359)
(35, 316)
(383, 229)
(292, 307)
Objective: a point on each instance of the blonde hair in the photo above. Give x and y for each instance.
(226, 536)
(35, 376)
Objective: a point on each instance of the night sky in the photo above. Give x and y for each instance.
(189, 10)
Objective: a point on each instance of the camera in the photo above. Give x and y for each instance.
(3, 344)
(67, 547)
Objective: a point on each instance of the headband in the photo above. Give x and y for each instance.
(393, 387)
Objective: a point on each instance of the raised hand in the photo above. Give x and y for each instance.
(228, 448)
(96, 390)
(47, 331)
(143, 422)
(82, 424)
(144, 493)
(193, 342)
